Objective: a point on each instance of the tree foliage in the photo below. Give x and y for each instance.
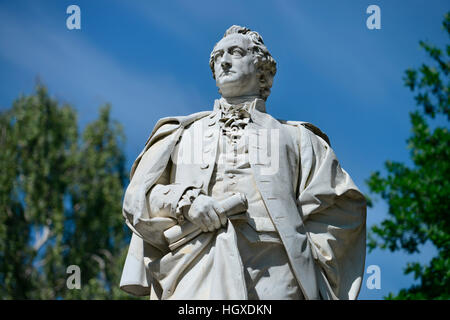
(60, 201)
(419, 196)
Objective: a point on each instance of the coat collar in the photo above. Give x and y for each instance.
(249, 106)
(256, 109)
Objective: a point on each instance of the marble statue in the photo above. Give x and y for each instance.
(232, 203)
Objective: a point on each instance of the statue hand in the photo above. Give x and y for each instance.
(206, 213)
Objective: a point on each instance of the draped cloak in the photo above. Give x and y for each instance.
(317, 209)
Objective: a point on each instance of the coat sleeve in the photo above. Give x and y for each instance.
(334, 214)
(150, 169)
(151, 181)
(147, 170)
(148, 209)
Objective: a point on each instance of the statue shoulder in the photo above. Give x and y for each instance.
(167, 125)
(311, 128)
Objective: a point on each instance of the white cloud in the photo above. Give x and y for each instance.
(86, 76)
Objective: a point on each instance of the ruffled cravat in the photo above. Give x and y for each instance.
(233, 120)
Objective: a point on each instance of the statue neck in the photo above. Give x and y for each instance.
(239, 100)
(247, 102)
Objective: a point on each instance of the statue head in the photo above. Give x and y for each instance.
(242, 65)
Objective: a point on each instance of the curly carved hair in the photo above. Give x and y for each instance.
(265, 64)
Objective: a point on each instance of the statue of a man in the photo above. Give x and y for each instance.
(235, 204)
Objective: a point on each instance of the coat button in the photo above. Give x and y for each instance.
(198, 185)
(209, 134)
(166, 190)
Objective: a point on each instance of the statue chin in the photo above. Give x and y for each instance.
(236, 88)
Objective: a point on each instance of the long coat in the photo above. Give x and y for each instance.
(316, 208)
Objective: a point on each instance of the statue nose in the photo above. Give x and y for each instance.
(225, 61)
(225, 65)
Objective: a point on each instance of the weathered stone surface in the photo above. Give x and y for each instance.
(234, 204)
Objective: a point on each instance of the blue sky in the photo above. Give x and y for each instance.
(149, 59)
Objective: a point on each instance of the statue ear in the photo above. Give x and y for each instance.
(254, 49)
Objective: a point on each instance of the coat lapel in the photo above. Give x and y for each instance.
(273, 179)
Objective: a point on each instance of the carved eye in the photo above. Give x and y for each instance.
(237, 52)
(217, 55)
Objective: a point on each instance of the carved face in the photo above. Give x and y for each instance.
(234, 67)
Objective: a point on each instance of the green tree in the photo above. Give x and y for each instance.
(419, 196)
(60, 201)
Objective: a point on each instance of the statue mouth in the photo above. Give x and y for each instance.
(226, 73)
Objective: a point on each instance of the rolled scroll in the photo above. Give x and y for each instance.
(180, 234)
